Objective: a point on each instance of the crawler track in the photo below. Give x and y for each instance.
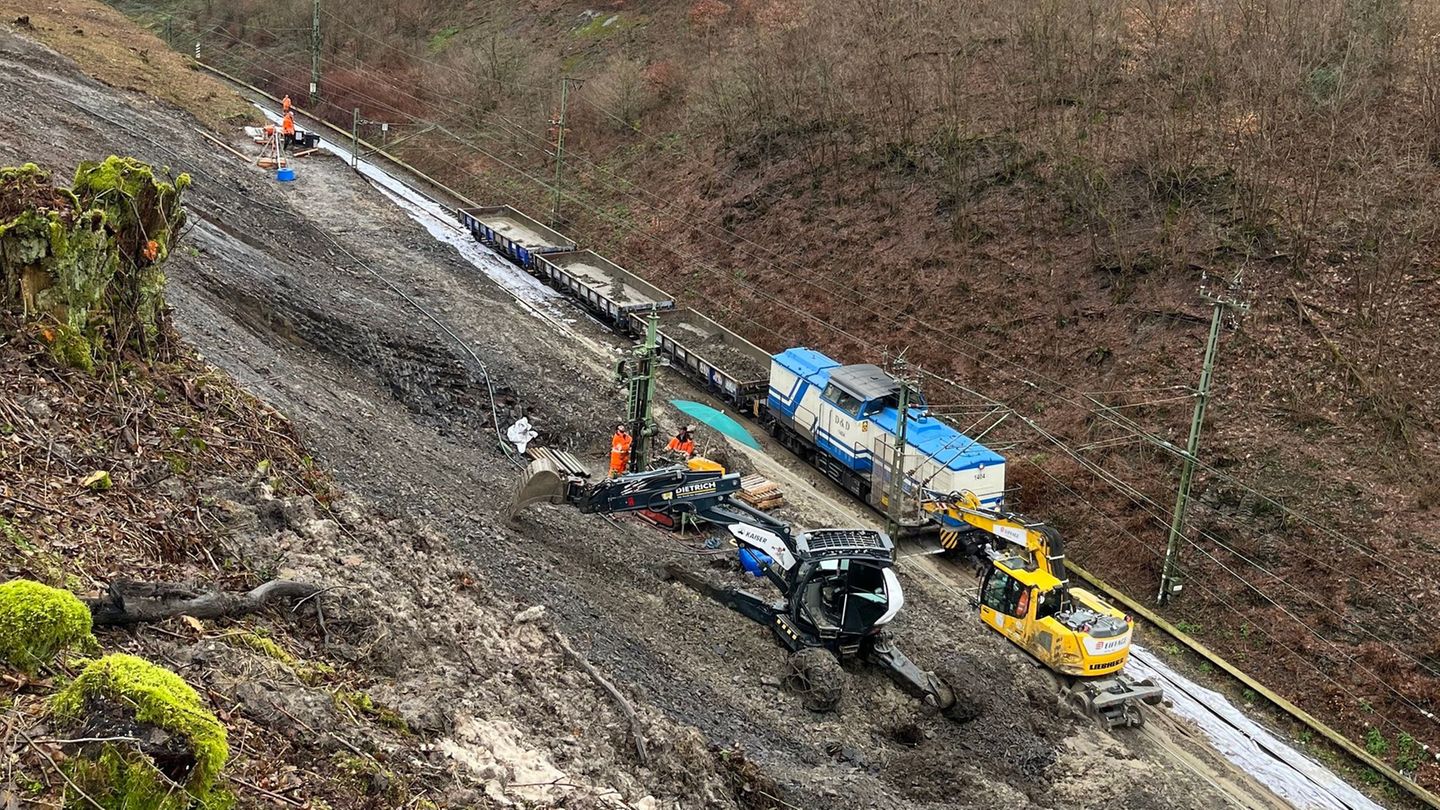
(1240, 790)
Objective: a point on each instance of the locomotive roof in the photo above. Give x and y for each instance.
(865, 381)
(940, 443)
(807, 363)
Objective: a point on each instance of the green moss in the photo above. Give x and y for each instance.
(38, 621)
(309, 672)
(120, 776)
(441, 40)
(14, 536)
(96, 250)
(365, 769)
(604, 25)
(262, 645)
(363, 704)
(71, 348)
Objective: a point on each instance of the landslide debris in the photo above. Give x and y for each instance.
(414, 684)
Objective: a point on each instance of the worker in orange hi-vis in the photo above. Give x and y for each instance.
(287, 128)
(620, 445)
(285, 105)
(683, 443)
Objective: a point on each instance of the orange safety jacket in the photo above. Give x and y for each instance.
(678, 445)
(620, 452)
(285, 105)
(288, 125)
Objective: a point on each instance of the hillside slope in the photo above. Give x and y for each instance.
(451, 689)
(1027, 198)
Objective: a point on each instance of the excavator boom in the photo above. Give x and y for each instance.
(839, 585)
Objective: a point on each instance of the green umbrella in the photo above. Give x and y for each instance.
(716, 419)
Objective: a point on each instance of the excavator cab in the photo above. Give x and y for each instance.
(847, 598)
(1033, 609)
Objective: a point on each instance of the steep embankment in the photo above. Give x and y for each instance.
(1027, 198)
(283, 289)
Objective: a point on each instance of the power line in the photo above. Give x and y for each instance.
(860, 342)
(1213, 595)
(1263, 595)
(855, 338)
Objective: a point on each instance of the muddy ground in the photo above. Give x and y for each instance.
(280, 290)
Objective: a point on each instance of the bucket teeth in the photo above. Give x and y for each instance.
(548, 478)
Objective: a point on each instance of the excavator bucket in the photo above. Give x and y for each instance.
(548, 478)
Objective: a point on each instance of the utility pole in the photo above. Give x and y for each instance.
(559, 124)
(638, 375)
(1171, 580)
(315, 56)
(896, 495)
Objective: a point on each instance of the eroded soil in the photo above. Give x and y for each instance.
(281, 291)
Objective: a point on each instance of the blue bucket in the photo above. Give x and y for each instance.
(285, 175)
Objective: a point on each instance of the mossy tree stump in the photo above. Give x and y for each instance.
(154, 745)
(38, 621)
(87, 260)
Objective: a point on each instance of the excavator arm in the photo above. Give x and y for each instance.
(839, 587)
(1040, 544)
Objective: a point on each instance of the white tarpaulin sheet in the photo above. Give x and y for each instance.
(1293, 776)
(441, 224)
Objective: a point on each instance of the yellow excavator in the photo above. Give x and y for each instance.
(1025, 595)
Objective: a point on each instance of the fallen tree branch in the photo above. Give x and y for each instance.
(136, 602)
(263, 792)
(624, 703)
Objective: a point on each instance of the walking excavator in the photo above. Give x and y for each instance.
(838, 587)
(1025, 595)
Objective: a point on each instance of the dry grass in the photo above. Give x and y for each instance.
(114, 50)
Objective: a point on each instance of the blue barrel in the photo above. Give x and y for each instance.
(285, 175)
(753, 561)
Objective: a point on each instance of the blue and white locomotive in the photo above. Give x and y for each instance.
(843, 419)
(840, 418)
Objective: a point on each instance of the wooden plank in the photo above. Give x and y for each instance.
(221, 144)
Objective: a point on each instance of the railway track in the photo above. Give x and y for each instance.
(1240, 784)
(1275, 775)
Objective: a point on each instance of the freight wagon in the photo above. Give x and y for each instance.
(727, 365)
(843, 419)
(512, 234)
(605, 288)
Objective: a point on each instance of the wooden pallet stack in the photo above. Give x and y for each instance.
(760, 492)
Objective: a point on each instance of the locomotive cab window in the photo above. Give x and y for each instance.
(875, 406)
(842, 399)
